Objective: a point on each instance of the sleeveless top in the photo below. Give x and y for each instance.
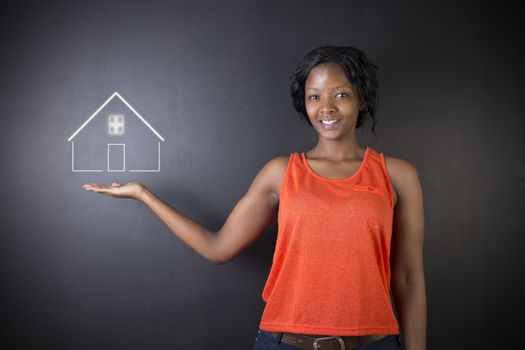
(330, 273)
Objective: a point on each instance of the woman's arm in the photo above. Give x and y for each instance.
(248, 220)
(408, 278)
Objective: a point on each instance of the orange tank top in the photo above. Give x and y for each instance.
(330, 273)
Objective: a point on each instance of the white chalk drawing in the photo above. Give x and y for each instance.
(116, 151)
(116, 124)
(117, 158)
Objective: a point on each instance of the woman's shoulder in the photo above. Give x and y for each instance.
(278, 164)
(399, 167)
(272, 173)
(403, 174)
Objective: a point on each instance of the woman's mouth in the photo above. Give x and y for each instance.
(329, 124)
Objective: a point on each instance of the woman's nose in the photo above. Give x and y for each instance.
(327, 107)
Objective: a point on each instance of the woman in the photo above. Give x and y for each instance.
(350, 222)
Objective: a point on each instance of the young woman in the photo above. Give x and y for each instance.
(350, 222)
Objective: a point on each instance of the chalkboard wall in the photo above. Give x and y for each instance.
(84, 271)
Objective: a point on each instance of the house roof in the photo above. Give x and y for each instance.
(104, 104)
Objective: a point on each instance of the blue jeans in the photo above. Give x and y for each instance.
(265, 341)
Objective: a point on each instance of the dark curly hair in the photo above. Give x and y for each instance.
(359, 70)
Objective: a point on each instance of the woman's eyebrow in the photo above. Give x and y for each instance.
(335, 87)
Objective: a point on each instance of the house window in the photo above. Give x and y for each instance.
(116, 124)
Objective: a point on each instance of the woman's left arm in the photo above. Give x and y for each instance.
(406, 256)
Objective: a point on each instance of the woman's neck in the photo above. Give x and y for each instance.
(337, 150)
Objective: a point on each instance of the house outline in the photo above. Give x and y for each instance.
(115, 94)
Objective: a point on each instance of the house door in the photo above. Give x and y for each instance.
(116, 157)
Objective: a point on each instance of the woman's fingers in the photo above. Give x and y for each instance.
(115, 189)
(93, 184)
(96, 187)
(104, 189)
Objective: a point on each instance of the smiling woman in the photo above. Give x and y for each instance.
(359, 74)
(350, 223)
(331, 102)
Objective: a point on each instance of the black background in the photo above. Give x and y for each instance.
(83, 271)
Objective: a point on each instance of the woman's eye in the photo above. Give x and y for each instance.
(342, 94)
(313, 97)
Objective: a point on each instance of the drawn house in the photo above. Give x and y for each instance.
(116, 138)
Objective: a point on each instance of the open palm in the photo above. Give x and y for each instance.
(130, 190)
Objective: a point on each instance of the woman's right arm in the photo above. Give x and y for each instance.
(250, 217)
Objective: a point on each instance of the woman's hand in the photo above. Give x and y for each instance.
(131, 190)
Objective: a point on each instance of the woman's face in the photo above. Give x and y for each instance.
(331, 102)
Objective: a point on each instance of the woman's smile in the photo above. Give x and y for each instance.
(330, 124)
